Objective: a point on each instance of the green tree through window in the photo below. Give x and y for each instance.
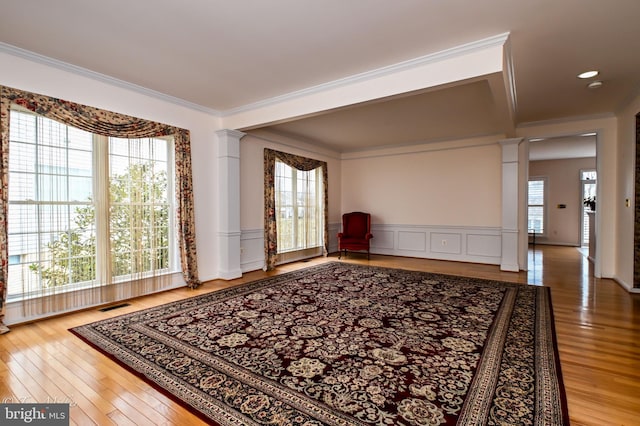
(86, 210)
(138, 212)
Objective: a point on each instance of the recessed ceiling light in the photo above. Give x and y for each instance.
(588, 74)
(594, 84)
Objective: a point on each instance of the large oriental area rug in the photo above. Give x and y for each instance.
(342, 344)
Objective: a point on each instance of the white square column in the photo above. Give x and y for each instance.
(228, 184)
(509, 231)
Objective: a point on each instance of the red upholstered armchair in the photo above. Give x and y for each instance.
(356, 233)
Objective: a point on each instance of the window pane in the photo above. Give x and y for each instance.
(588, 175)
(22, 155)
(51, 235)
(536, 219)
(536, 208)
(536, 192)
(22, 186)
(139, 204)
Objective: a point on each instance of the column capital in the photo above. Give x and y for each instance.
(229, 142)
(510, 149)
(230, 133)
(510, 141)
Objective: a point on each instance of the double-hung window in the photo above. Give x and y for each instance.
(536, 209)
(85, 209)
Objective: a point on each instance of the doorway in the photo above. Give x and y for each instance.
(564, 162)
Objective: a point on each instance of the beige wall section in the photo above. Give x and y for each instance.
(457, 183)
(626, 190)
(252, 174)
(564, 187)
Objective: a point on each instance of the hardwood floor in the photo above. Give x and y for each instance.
(597, 323)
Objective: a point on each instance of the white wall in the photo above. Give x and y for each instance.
(34, 76)
(564, 187)
(626, 190)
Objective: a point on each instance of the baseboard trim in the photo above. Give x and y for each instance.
(626, 286)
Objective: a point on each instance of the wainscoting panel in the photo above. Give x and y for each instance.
(462, 243)
(414, 241)
(458, 243)
(384, 240)
(334, 228)
(484, 245)
(252, 247)
(449, 243)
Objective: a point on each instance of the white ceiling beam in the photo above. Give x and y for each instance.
(480, 58)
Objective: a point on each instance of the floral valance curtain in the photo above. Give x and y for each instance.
(270, 228)
(105, 123)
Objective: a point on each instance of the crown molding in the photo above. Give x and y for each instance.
(628, 100)
(510, 77)
(84, 72)
(497, 40)
(419, 147)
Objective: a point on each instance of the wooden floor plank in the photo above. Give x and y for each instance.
(597, 324)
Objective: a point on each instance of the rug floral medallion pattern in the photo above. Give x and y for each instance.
(341, 344)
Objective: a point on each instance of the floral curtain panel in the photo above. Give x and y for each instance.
(270, 228)
(105, 123)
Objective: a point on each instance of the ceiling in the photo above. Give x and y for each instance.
(223, 55)
(557, 148)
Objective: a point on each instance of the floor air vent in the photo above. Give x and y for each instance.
(111, 308)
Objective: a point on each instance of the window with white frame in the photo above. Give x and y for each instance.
(298, 197)
(85, 209)
(588, 179)
(536, 208)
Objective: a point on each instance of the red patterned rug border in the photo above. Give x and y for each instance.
(148, 381)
